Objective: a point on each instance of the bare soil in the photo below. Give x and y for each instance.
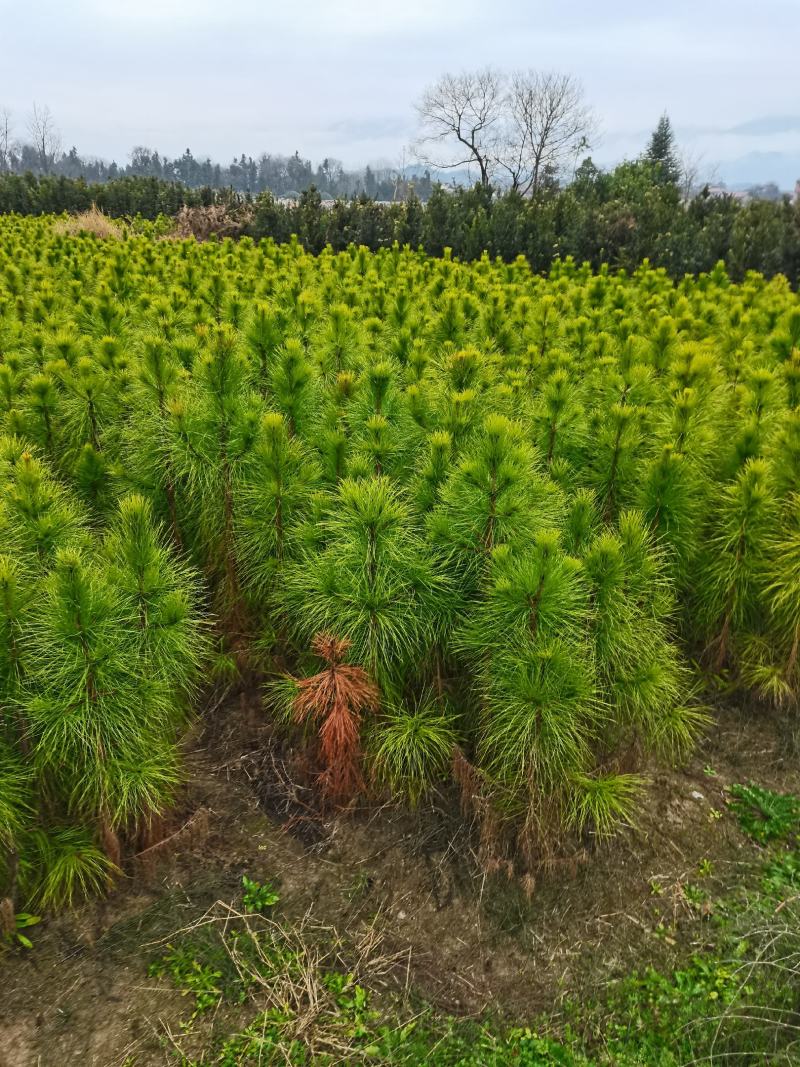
(472, 942)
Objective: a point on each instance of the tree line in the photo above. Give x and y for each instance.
(620, 217)
(517, 137)
(39, 152)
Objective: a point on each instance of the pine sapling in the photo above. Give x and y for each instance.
(334, 701)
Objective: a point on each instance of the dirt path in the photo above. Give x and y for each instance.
(83, 996)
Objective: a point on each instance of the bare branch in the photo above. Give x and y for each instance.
(5, 139)
(525, 128)
(463, 111)
(695, 173)
(45, 136)
(547, 124)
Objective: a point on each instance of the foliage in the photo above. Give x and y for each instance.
(192, 977)
(305, 1005)
(459, 520)
(662, 152)
(763, 814)
(23, 920)
(258, 896)
(334, 700)
(412, 748)
(102, 641)
(620, 217)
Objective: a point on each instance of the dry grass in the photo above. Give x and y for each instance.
(94, 222)
(215, 220)
(283, 971)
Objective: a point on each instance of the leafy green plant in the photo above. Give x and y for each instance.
(23, 920)
(192, 976)
(782, 874)
(258, 896)
(763, 814)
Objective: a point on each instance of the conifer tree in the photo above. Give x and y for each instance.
(37, 515)
(494, 496)
(338, 343)
(411, 747)
(96, 724)
(670, 497)
(42, 414)
(112, 647)
(160, 597)
(727, 590)
(372, 583)
(770, 647)
(16, 817)
(265, 334)
(214, 425)
(662, 152)
(557, 417)
(542, 706)
(16, 795)
(292, 385)
(148, 449)
(639, 668)
(334, 701)
(433, 471)
(271, 505)
(383, 435)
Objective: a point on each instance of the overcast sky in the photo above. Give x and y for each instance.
(339, 77)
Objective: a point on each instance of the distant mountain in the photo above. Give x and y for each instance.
(754, 168)
(767, 125)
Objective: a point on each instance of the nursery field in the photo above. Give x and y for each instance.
(446, 530)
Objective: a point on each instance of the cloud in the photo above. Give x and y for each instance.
(399, 127)
(755, 168)
(767, 126)
(333, 19)
(339, 77)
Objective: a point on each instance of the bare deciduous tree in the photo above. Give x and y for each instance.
(463, 111)
(547, 123)
(45, 137)
(5, 139)
(695, 173)
(522, 127)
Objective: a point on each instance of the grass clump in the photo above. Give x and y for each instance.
(93, 222)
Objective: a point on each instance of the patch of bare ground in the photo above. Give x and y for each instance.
(470, 942)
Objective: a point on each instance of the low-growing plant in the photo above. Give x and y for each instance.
(23, 920)
(258, 896)
(192, 977)
(764, 814)
(412, 748)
